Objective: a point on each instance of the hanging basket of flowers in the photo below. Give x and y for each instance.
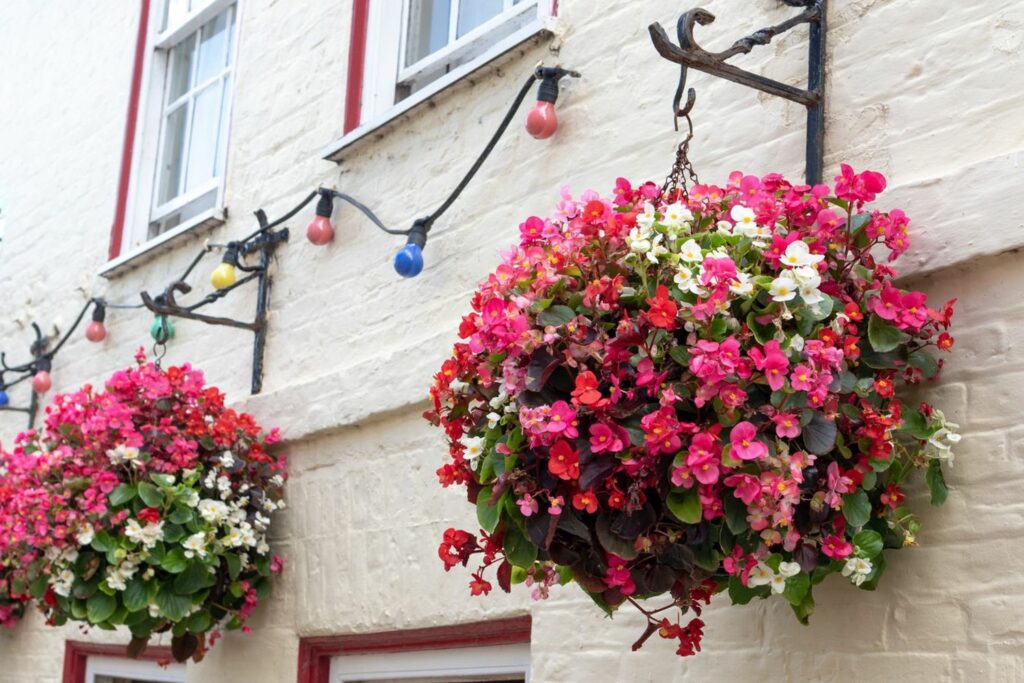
(147, 505)
(674, 395)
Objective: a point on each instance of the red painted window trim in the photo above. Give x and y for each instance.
(356, 64)
(315, 653)
(120, 208)
(76, 655)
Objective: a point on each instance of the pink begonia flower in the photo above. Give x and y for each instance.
(746, 487)
(604, 438)
(838, 484)
(562, 418)
(618, 575)
(682, 476)
(888, 305)
(745, 444)
(704, 467)
(787, 425)
(803, 378)
(556, 505)
(710, 503)
(527, 505)
(836, 547)
(915, 312)
(772, 362)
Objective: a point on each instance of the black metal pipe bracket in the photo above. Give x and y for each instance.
(688, 54)
(41, 360)
(264, 242)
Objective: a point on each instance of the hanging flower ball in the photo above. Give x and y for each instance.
(145, 504)
(668, 395)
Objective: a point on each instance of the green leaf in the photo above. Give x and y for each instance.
(883, 336)
(122, 494)
(136, 595)
(804, 609)
(174, 562)
(200, 622)
(519, 550)
(916, 424)
(195, 577)
(685, 505)
(857, 508)
(172, 606)
(234, 565)
(556, 315)
(182, 515)
(741, 595)
(99, 607)
(819, 435)
(37, 588)
(936, 483)
(150, 495)
(487, 514)
(680, 354)
(762, 333)
(161, 479)
(869, 543)
(796, 588)
(925, 362)
(103, 541)
(719, 328)
(735, 514)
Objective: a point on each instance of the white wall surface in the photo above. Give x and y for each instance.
(928, 92)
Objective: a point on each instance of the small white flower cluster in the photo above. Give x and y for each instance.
(124, 454)
(651, 244)
(800, 277)
(746, 224)
(940, 445)
(63, 578)
(763, 575)
(857, 569)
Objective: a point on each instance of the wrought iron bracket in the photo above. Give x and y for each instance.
(263, 242)
(41, 360)
(688, 54)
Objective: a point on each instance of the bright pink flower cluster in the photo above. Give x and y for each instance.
(146, 503)
(665, 393)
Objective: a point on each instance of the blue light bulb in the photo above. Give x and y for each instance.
(409, 261)
(4, 399)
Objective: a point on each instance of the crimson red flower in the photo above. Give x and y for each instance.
(149, 515)
(663, 310)
(564, 461)
(586, 392)
(585, 500)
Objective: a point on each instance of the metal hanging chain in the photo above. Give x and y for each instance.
(682, 176)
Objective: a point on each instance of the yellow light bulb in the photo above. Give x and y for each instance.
(223, 276)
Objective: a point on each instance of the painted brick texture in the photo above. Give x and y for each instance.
(930, 96)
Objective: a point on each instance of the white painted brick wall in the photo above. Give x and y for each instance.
(929, 93)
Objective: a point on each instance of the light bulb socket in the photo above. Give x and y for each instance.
(418, 233)
(549, 77)
(43, 364)
(231, 253)
(99, 311)
(325, 205)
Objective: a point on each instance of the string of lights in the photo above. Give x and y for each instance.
(541, 123)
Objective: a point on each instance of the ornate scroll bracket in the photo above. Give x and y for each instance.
(264, 241)
(688, 54)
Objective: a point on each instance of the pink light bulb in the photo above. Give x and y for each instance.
(95, 331)
(41, 382)
(320, 231)
(541, 122)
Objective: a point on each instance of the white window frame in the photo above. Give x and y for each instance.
(97, 665)
(383, 69)
(457, 662)
(142, 208)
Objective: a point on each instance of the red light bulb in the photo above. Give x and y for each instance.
(95, 331)
(541, 122)
(41, 382)
(320, 231)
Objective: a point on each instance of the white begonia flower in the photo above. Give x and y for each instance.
(799, 254)
(123, 454)
(788, 569)
(683, 277)
(457, 386)
(213, 511)
(796, 343)
(857, 570)
(148, 535)
(761, 234)
(646, 219)
(691, 252)
(62, 582)
(811, 294)
(639, 240)
(723, 228)
(474, 447)
(676, 214)
(154, 610)
(262, 548)
(743, 285)
(806, 275)
(85, 534)
(195, 545)
(193, 499)
(657, 249)
(227, 459)
(745, 220)
(277, 480)
(778, 583)
(940, 445)
(783, 288)
(760, 575)
(492, 419)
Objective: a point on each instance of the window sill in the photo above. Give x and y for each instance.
(146, 252)
(535, 30)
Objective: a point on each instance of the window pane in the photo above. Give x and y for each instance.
(174, 141)
(202, 146)
(428, 28)
(211, 47)
(181, 67)
(475, 12)
(174, 11)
